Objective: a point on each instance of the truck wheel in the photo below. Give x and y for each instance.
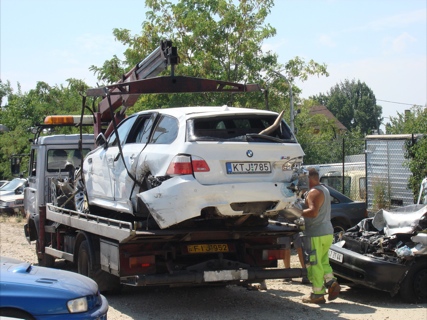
(84, 261)
(413, 287)
(85, 266)
(47, 260)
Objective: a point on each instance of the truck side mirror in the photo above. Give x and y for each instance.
(15, 165)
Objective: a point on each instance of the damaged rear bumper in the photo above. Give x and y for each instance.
(182, 198)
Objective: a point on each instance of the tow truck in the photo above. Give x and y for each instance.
(116, 252)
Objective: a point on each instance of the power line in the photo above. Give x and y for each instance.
(408, 104)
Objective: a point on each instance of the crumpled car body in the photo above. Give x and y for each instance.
(184, 163)
(387, 252)
(11, 204)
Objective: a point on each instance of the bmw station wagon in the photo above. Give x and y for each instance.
(185, 164)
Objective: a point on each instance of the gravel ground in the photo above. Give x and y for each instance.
(282, 300)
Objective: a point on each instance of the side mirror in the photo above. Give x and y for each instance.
(15, 165)
(101, 140)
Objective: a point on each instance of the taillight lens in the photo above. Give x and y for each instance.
(183, 164)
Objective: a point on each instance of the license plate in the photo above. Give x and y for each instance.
(207, 248)
(248, 167)
(335, 255)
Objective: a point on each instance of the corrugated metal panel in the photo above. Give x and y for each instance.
(386, 168)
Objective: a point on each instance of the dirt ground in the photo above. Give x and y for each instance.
(281, 300)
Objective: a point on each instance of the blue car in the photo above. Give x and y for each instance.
(32, 292)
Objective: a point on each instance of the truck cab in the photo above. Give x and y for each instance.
(51, 157)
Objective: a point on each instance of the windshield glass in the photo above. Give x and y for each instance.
(12, 185)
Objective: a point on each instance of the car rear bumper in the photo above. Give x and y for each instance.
(182, 198)
(368, 271)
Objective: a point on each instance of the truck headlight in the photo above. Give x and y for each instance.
(77, 305)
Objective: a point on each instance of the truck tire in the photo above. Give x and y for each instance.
(47, 260)
(413, 287)
(107, 283)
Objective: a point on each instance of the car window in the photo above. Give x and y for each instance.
(334, 200)
(124, 127)
(143, 129)
(230, 127)
(166, 130)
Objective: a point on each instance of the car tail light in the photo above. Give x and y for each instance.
(273, 254)
(183, 164)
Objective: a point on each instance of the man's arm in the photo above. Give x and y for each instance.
(313, 201)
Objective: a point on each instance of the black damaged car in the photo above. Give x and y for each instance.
(387, 252)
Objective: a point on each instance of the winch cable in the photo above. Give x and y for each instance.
(118, 138)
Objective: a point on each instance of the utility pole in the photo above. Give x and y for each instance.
(291, 99)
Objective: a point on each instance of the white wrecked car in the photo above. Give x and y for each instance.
(194, 163)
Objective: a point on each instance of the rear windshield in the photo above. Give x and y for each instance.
(238, 128)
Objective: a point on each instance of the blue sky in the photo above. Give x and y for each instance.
(380, 42)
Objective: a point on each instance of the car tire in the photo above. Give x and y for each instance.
(47, 260)
(107, 283)
(339, 226)
(81, 203)
(413, 287)
(15, 313)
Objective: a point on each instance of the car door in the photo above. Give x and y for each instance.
(132, 149)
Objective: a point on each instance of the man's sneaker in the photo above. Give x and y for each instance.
(305, 280)
(314, 298)
(334, 289)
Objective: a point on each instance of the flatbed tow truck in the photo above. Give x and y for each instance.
(117, 252)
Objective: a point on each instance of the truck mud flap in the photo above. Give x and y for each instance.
(210, 276)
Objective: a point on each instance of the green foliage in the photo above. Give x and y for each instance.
(354, 105)
(414, 121)
(24, 111)
(381, 198)
(220, 40)
(320, 139)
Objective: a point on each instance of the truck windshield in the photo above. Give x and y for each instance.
(63, 159)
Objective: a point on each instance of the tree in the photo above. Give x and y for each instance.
(220, 40)
(318, 137)
(412, 122)
(26, 110)
(353, 104)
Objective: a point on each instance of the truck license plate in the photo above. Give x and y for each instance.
(207, 248)
(335, 255)
(248, 167)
